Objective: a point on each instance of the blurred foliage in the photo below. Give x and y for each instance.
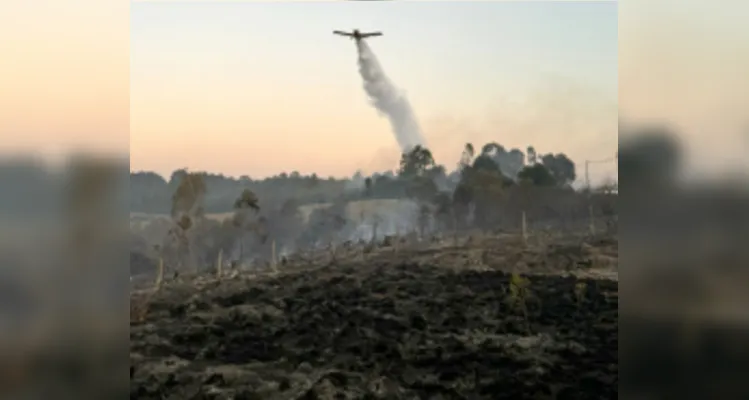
(652, 158)
(538, 175)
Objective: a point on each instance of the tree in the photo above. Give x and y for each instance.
(421, 189)
(485, 162)
(537, 175)
(510, 162)
(561, 168)
(532, 156)
(187, 207)
(314, 180)
(480, 189)
(437, 172)
(368, 186)
(493, 148)
(442, 204)
(324, 225)
(177, 176)
(515, 161)
(466, 157)
(246, 203)
(491, 168)
(487, 188)
(247, 200)
(416, 162)
(285, 225)
(188, 197)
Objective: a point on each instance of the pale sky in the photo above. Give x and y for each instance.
(685, 62)
(63, 77)
(259, 88)
(65, 80)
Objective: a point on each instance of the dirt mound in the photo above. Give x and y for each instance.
(403, 331)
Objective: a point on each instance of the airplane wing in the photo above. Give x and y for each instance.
(342, 33)
(364, 35)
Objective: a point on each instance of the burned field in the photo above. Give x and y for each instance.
(382, 328)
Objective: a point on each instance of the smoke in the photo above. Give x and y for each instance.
(388, 100)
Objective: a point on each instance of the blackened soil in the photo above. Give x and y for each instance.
(395, 332)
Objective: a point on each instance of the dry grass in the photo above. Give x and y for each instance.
(140, 301)
(139, 304)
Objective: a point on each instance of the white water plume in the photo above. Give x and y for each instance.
(388, 100)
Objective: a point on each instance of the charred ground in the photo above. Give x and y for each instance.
(444, 324)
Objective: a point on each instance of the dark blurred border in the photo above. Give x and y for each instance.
(685, 203)
(63, 282)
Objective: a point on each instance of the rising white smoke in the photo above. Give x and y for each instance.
(388, 100)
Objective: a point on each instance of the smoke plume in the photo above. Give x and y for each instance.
(388, 100)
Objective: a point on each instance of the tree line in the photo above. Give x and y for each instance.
(483, 191)
(151, 193)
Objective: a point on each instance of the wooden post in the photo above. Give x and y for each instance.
(220, 263)
(273, 256)
(160, 274)
(524, 228)
(592, 220)
(397, 241)
(455, 227)
(241, 249)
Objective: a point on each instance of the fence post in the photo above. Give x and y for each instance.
(397, 241)
(220, 263)
(273, 255)
(160, 276)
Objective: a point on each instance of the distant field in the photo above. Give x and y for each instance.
(364, 209)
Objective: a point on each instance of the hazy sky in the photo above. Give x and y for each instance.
(63, 76)
(685, 62)
(64, 79)
(259, 88)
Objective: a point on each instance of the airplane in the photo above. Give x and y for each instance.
(356, 35)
